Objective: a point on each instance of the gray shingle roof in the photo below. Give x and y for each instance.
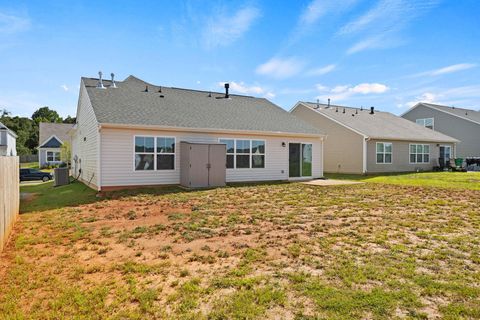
(60, 130)
(472, 115)
(130, 104)
(380, 125)
(51, 143)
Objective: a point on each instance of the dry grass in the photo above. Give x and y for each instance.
(282, 251)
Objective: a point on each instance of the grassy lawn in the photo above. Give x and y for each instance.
(46, 196)
(29, 165)
(275, 251)
(455, 180)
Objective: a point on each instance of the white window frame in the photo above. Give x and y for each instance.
(384, 153)
(250, 154)
(416, 153)
(154, 153)
(54, 152)
(166, 153)
(422, 122)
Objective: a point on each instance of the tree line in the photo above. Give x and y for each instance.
(27, 128)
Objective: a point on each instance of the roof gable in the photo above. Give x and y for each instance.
(53, 142)
(136, 102)
(380, 125)
(59, 130)
(465, 114)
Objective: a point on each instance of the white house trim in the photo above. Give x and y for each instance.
(46, 140)
(209, 130)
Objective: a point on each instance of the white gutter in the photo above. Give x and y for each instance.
(209, 130)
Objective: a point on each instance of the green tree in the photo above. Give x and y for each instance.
(69, 119)
(45, 114)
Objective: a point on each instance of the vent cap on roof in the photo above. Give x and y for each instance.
(100, 82)
(113, 85)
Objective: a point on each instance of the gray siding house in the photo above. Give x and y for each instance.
(462, 124)
(368, 141)
(129, 133)
(51, 138)
(8, 141)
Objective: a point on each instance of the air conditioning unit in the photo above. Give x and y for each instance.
(61, 176)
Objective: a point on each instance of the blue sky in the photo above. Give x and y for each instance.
(385, 53)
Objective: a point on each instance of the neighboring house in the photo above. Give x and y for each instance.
(129, 133)
(51, 138)
(8, 141)
(462, 124)
(369, 141)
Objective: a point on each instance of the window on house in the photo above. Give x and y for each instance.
(258, 154)
(244, 154)
(230, 143)
(53, 156)
(426, 122)
(419, 153)
(384, 152)
(165, 153)
(144, 153)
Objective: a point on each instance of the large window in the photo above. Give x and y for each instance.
(384, 152)
(154, 152)
(419, 153)
(244, 154)
(165, 153)
(53, 156)
(427, 122)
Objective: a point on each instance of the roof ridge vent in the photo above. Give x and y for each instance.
(113, 85)
(100, 82)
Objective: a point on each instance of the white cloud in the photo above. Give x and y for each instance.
(64, 87)
(323, 70)
(465, 95)
(343, 92)
(10, 24)
(446, 70)
(222, 30)
(319, 8)
(381, 25)
(281, 68)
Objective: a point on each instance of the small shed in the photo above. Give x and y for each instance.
(202, 165)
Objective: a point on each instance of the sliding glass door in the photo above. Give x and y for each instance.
(300, 160)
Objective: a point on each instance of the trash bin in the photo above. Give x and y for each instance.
(61, 177)
(458, 162)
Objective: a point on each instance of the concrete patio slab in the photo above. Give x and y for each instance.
(330, 182)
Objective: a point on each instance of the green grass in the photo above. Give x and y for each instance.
(455, 180)
(47, 197)
(280, 250)
(29, 165)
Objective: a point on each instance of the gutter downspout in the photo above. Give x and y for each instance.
(99, 158)
(365, 140)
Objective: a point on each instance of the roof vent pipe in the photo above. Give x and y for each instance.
(328, 105)
(113, 85)
(372, 110)
(343, 110)
(100, 82)
(160, 90)
(318, 104)
(226, 90)
(146, 89)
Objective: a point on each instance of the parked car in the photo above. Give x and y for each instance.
(34, 174)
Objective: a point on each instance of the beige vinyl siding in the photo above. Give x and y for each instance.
(343, 148)
(117, 154)
(466, 131)
(86, 150)
(401, 157)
